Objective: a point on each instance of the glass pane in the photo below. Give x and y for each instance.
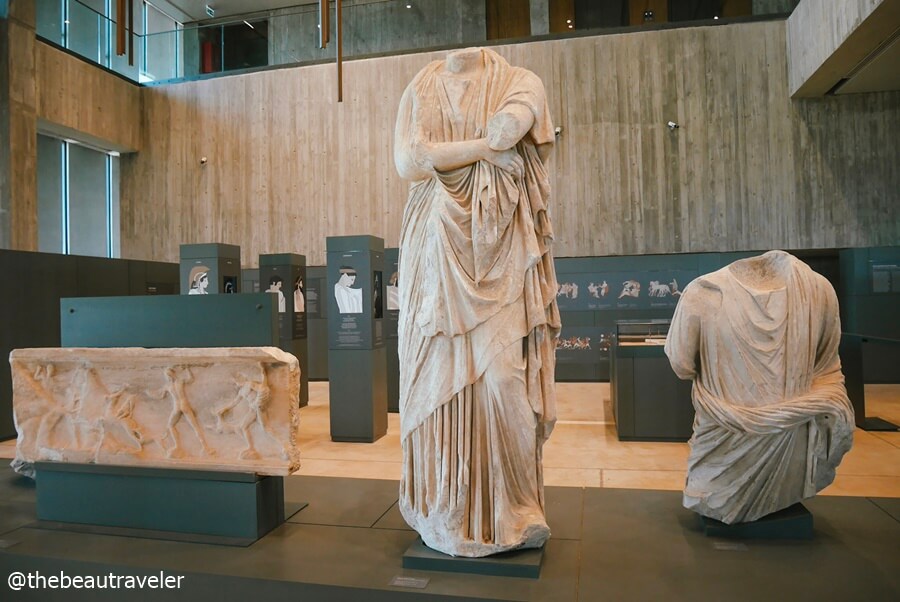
(87, 202)
(114, 207)
(49, 21)
(84, 32)
(161, 46)
(49, 191)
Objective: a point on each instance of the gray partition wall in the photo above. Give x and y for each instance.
(391, 320)
(317, 322)
(870, 306)
(356, 351)
(30, 306)
(283, 276)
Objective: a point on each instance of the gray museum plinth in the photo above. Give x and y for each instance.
(220, 262)
(284, 275)
(356, 351)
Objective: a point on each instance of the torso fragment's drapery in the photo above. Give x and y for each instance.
(772, 415)
(478, 314)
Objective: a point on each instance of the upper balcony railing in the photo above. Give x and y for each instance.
(166, 50)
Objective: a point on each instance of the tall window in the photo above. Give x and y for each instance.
(78, 199)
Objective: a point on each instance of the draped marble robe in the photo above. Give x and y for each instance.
(760, 340)
(478, 316)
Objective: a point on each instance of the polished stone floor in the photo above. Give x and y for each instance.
(585, 452)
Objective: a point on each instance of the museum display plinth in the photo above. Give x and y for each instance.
(650, 402)
(356, 351)
(288, 272)
(220, 262)
(317, 322)
(794, 522)
(518, 563)
(233, 508)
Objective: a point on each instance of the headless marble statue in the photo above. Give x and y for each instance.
(478, 314)
(759, 338)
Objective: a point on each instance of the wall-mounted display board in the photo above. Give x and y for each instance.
(30, 309)
(391, 321)
(209, 269)
(595, 292)
(283, 275)
(357, 358)
(317, 322)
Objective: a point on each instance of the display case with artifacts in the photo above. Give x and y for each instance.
(649, 401)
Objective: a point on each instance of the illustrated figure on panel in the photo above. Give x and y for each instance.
(760, 338)
(199, 278)
(299, 299)
(478, 313)
(181, 406)
(393, 293)
(349, 300)
(275, 284)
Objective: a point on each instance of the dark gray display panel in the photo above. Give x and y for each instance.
(356, 352)
(170, 321)
(283, 276)
(210, 268)
(391, 320)
(317, 322)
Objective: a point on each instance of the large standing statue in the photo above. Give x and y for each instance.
(760, 340)
(478, 314)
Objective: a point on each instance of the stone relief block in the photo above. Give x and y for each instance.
(229, 409)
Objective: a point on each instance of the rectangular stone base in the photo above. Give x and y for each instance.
(518, 563)
(233, 508)
(794, 522)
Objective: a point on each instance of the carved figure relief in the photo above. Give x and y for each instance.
(157, 407)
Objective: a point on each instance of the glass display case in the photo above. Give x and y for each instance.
(649, 400)
(642, 332)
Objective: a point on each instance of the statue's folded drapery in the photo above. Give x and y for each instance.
(478, 316)
(760, 340)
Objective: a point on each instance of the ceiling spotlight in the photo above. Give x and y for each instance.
(409, 6)
(570, 26)
(716, 17)
(568, 20)
(648, 15)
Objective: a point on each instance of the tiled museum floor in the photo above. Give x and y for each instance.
(585, 452)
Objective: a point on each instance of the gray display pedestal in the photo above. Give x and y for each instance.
(220, 263)
(317, 322)
(283, 275)
(794, 522)
(230, 508)
(356, 352)
(650, 402)
(391, 323)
